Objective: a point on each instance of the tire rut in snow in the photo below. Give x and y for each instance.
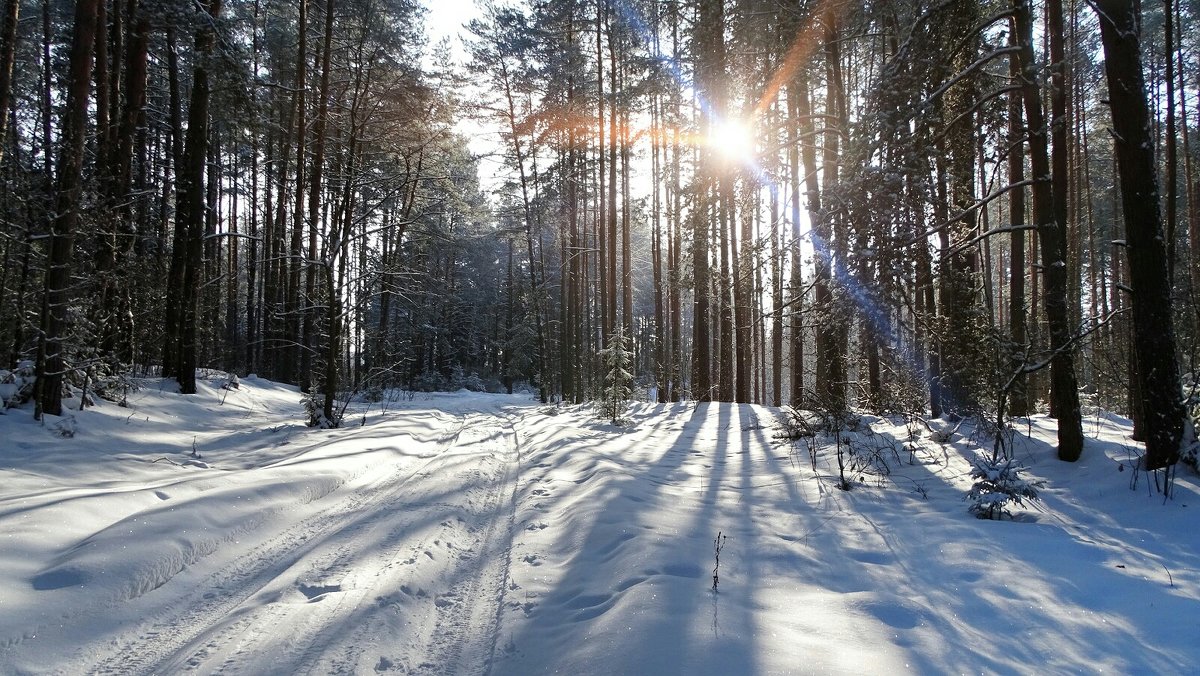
(466, 631)
(203, 622)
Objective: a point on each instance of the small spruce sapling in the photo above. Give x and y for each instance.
(618, 380)
(997, 484)
(718, 545)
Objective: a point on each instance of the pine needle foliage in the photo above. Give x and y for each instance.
(617, 360)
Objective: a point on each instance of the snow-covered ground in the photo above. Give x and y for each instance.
(470, 533)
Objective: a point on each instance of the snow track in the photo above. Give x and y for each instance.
(474, 534)
(416, 560)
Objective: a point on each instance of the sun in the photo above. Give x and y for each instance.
(733, 140)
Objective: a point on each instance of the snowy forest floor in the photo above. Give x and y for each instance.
(472, 533)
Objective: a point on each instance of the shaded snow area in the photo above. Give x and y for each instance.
(472, 533)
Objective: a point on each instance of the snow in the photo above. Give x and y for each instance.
(475, 533)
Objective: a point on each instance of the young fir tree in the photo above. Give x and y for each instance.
(618, 380)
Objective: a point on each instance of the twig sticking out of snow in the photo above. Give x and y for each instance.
(718, 545)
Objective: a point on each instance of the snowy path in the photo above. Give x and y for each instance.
(484, 534)
(318, 596)
(406, 558)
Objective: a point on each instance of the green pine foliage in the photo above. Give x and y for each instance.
(617, 358)
(998, 484)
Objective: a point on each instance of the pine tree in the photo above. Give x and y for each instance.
(617, 358)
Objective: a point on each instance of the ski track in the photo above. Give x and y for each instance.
(430, 541)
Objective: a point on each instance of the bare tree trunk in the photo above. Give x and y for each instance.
(656, 252)
(1018, 399)
(8, 50)
(602, 206)
(173, 311)
(1154, 337)
(675, 274)
(610, 273)
(1050, 220)
(132, 115)
(1193, 194)
(1171, 159)
(726, 242)
(833, 334)
(571, 270)
(709, 33)
(626, 243)
(190, 198)
(56, 296)
(314, 203)
(797, 88)
(777, 308)
(959, 301)
(743, 294)
(253, 263)
(294, 362)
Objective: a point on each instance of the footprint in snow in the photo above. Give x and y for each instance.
(869, 556)
(316, 593)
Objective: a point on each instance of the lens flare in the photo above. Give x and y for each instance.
(733, 140)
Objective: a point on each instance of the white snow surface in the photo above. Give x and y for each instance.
(473, 533)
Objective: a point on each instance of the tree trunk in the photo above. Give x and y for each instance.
(797, 88)
(828, 241)
(743, 294)
(56, 296)
(8, 50)
(314, 205)
(675, 274)
(173, 310)
(1169, 143)
(295, 358)
(190, 198)
(1051, 229)
(1018, 398)
(709, 33)
(252, 255)
(1154, 336)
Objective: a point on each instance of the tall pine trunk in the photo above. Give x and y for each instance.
(56, 295)
(8, 50)
(1018, 398)
(1154, 336)
(1051, 228)
(190, 200)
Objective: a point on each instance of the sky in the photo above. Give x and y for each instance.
(446, 19)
